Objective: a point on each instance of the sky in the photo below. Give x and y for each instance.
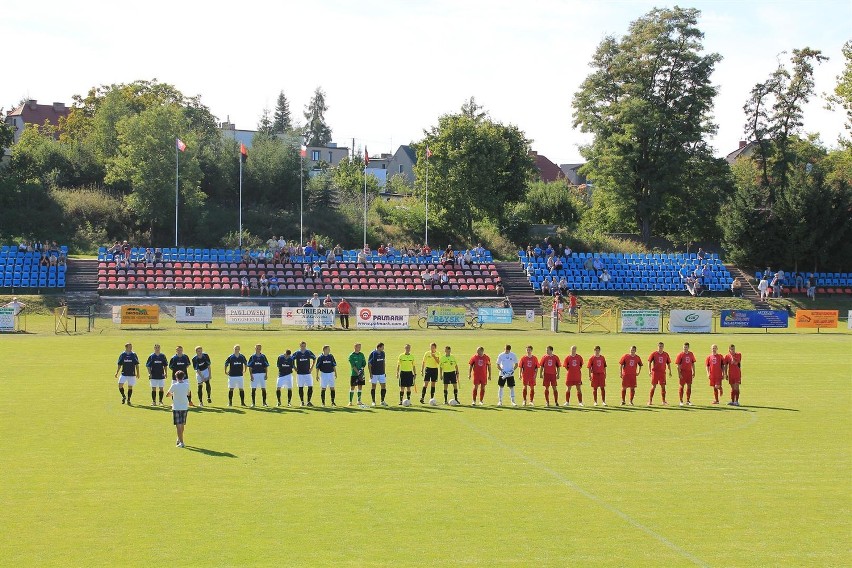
(390, 69)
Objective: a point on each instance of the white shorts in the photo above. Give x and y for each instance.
(326, 380)
(377, 379)
(202, 376)
(285, 382)
(235, 382)
(258, 380)
(131, 380)
(158, 383)
(304, 380)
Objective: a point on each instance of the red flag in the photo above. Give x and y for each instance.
(180, 145)
(428, 152)
(243, 152)
(366, 157)
(303, 151)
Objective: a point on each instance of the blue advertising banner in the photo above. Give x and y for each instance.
(495, 315)
(775, 319)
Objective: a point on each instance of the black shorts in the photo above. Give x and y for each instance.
(179, 416)
(430, 375)
(406, 378)
(357, 380)
(450, 378)
(506, 381)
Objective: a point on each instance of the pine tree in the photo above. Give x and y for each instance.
(317, 131)
(282, 122)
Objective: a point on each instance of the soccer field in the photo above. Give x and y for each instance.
(91, 482)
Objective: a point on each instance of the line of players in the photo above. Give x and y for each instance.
(309, 368)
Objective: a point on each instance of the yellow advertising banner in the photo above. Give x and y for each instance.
(816, 318)
(143, 315)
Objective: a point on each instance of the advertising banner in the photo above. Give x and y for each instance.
(817, 318)
(139, 315)
(382, 318)
(194, 314)
(310, 317)
(773, 319)
(849, 320)
(640, 321)
(235, 315)
(530, 316)
(495, 315)
(691, 321)
(445, 316)
(7, 319)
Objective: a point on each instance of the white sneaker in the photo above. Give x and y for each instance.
(689, 403)
(499, 403)
(580, 404)
(372, 404)
(514, 403)
(473, 403)
(595, 404)
(680, 403)
(384, 403)
(566, 404)
(524, 403)
(603, 404)
(531, 403)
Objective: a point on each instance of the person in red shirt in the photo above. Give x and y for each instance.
(550, 375)
(343, 309)
(630, 364)
(685, 362)
(573, 375)
(733, 372)
(715, 371)
(659, 360)
(480, 368)
(529, 367)
(597, 375)
(572, 305)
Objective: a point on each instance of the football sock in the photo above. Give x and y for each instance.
(603, 394)
(499, 394)
(456, 394)
(200, 391)
(688, 393)
(423, 394)
(716, 394)
(242, 397)
(302, 395)
(263, 395)
(680, 393)
(623, 393)
(359, 397)
(547, 396)
(231, 396)
(525, 394)
(632, 394)
(384, 391)
(129, 393)
(161, 395)
(289, 395)
(351, 395)
(121, 390)
(474, 394)
(512, 394)
(278, 395)
(595, 395)
(310, 393)
(373, 394)
(532, 393)
(400, 396)
(579, 396)
(332, 395)
(568, 395)
(153, 396)
(481, 393)
(322, 396)
(432, 391)
(207, 385)
(253, 395)
(651, 396)
(663, 393)
(445, 396)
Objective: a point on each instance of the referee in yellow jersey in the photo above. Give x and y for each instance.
(405, 373)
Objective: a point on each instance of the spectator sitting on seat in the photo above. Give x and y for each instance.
(362, 257)
(499, 290)
(549, 250)
(563, 286)
(246, 256)
(53, 259)
(699, 288)
(706, 272)
(367, 249)
(427, 250)
(276, 256)
(597, 264)
(604, 276)
(736, 288)
(701, 254)
(158, 255)
(114, 250)
(382, 250)
(316, 269)
(273, 285)
(697, 273)
(811, 287)
(462, 261)
(61, 261)
(320, 249)
(22, 246)
(468, 257)
(329, 258)
(264, 284)
(426, 276)
(338, 251)
(148, 257)
(285, 254)
(44, 261)
(691, 284)
(558, 264)
(445, 278)
(800, 280)
(762, 288)
(550, 263)
(568, 252)
(537, 251)
(479, 252)
(589, 264)
(545, 285)
(126, 249)
(328, 302)
(244, 286)
(309, 249)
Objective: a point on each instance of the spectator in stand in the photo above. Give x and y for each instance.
(551, 264)
(597, 264)
(244, 286)
(22, 247)
(604, 276)
(382, 250)
(444, 278)
(691, 283)
(338, 251)
(800, 280)
(499, 290)
(545, 286)
(330, 259)
(343, 309)
(706, 273)
(53, 259)
(44, 261)
(548, 251)
(158, 255)
(537, 251)
(362, 257)
(468, 257)
(314, 300)
(557, 263)
(479, 252)
(309, 250)
(701, 255)
(114, 251)
(426, 276)
(567, 251)
(316, 269)
(736, 288)
(246, 257)
(264, 284)
(126, 249)
(261, 257)
(775, 286)
(328, 302)
(763, 287)
(811, 287)
(273, 285)
(282, 244)
(563, 286)
(462, 262)
(272, 243)
(589, 264)
(62, 260)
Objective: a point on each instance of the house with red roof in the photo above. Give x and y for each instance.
(31, 112)
(547, 170)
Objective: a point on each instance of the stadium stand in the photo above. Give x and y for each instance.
(650, 272)
(23, 269)
(826, 282)
(221, 270)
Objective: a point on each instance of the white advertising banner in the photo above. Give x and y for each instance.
(323, 317)
(7, 319)
(116, 314)
(194, 314)
(382, 318)
(235, 315)
(640, 321)
(691, 321)
(849, 320)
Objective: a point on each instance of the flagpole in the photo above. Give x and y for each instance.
(426, 238)
(177, 174)
(241, 201)
(365, 205)
(301, 199)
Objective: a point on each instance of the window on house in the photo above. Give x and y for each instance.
(400, 168)
(315, 155)
(330, 161)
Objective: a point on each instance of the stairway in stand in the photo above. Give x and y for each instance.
(750, 293)
(81, 285)
(518, 289)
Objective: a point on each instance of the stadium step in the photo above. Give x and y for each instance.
(749, 291)
(82, 275)
(517, 287)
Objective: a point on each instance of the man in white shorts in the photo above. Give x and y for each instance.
(507, 363)
(285, 376)
(258, 364)
(376, 365)
(202, 365)
(326, 373)
(235, 367)
(128, 365)
(304, 360)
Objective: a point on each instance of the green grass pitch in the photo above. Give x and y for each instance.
(89, 482)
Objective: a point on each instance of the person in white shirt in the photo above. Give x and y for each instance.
(507, 362)
(763, 287)
(179, 392)
(16, 305)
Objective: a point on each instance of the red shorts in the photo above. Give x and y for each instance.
(549, 381)
(716, 382)
(529, 382)
(628, 382)
(598, 380)
(480, 381)
(569, 382)
(685, 381)
(658, 380)
(734, 381)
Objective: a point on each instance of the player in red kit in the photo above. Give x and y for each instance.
(630, 364)
(480, 368)
(659, 360)
(597, 375)
(715, 371)
(573, 375)
(685, 363)
(550, 375)
(529, 369)
(733, 371)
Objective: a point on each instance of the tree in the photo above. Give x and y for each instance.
(648, 102)
(477, 169)
(265, 126)
(272, 173)
(317, 131)
(282, 122)
(843, 90)
(7, 134)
